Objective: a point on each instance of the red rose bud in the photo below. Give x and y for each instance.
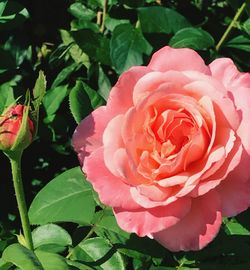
(11, 136)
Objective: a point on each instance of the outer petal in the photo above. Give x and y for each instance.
(197, 228)
(238, 83)
(242, 101)
(121, 95)
(111, 189)
(235, 189)
(88, 135)
(147, 221)
(169, 58)
(224, 70)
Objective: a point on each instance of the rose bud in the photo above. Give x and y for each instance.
(11, 137)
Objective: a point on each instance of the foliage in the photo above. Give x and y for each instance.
(82, 47)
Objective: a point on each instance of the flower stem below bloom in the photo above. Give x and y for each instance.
(15, 161)
(231, 25)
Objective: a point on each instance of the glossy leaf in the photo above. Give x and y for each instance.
(159, 19)
(74, 50)
(98, 251)
(127, 47)
(53, 98)
(240, 42)
(104, 84)
(51, 237)
(246, 26)
(65, 73)
(67, 197)
(6, 95)
(81, 12)
(194, 38)
(93, 44)
(39, 90)
(4, 265)
(83, 100)
(22, 257)
(232, 227)
(51, 261)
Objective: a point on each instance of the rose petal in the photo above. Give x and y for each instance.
(197, 228)
(224, 108)
(238, 83)
(235, 189)
(153, 80)
(120, 97)
(213, 177)
(88, 135)
(224, 70)
(242, 101)
(147, 221)
(169, 58)
(111, 189)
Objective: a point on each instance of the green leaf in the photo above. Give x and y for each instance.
(98, 251)
(104, 85)
(4, 265)
(67, 197)
(74, 50)
(240, 42)
(12, 11)
(111, 23)
(6, 95)
(93, 44)
(38, 94)
(127, 47)
(232, 227)
(163, 268)
(106, 226)
(129, 244)
(132, 3)
(77, 265)
(51, 237)
(246, 26)
(53, 98)
(22, 257)
(158, 19)
(39, 89)
(51, 261)
(80, 11)
(65, 73)
(83, 100)
(194, 38)
(3, 4)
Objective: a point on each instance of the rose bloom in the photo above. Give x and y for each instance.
(170, 150)
(10, 123)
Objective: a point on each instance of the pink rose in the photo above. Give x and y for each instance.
(170, 151)
(10, 123)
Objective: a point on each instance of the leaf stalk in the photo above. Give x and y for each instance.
(231, 26)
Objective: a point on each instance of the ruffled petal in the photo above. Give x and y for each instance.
(111, 189)
(225, 71)
(238, 83)
(169, 58)
(197, 228)
(235, 189)
(88, 135)
(147, 221)
(121, 95)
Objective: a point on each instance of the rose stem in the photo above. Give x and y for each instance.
(15, 161)
(231, 25)
(104, 12)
